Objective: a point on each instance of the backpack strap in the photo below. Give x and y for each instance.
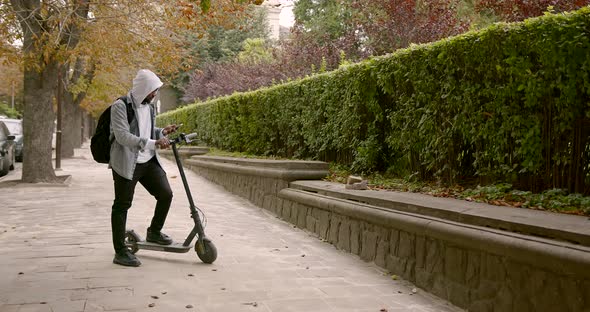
(130, 111)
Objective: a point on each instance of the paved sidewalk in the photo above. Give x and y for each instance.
(56, 255)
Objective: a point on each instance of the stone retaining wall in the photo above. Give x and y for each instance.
(257, 180)
(474, 267)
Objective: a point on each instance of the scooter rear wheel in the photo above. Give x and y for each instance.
(206, 250)
(131, 240)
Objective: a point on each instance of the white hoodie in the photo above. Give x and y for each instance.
(145, 82)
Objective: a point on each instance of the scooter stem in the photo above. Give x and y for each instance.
(183, 176)
(198, 228)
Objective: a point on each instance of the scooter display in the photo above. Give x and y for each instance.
(204, 246)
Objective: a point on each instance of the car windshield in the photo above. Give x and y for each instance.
(14, 126)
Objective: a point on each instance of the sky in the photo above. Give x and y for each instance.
(286, 17)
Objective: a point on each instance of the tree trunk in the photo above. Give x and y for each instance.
(72, 122)
(39, 89)
(89, 126)
(38, 124)
(40, 79)
(72, 136)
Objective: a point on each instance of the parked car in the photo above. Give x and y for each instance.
(7, 150)
(15, 126)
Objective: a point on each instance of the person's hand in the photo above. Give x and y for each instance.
(169, 129)
(163, 143)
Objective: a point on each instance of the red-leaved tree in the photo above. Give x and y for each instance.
(217, 79)
(388, 25)
(518, 10)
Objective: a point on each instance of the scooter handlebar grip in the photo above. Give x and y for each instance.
(190, 136)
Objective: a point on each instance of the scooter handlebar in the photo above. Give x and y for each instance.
(189, 137)
(184, 138)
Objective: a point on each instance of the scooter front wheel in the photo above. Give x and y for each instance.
(131, 240)
(206, 250)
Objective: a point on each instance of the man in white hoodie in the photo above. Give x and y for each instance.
(134, 159)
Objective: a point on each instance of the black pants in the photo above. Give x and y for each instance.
(154, 180)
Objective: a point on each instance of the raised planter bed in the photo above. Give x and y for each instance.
(254, 179)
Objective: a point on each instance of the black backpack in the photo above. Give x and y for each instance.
(100, 145)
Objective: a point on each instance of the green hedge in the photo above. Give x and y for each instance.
(509, 103)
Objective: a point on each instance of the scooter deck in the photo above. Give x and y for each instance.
(174, 247)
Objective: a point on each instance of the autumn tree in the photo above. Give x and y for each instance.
(137, 36)
(11, 82)
(82, 40)
(46, 30)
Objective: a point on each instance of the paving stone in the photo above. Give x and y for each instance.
(35, 308)
(347, 302)
(309, 305)
(68, 305)
(9, 307)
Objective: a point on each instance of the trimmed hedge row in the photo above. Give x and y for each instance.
(509, 103)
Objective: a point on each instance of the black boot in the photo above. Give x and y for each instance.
(126, 258)
(158, 238)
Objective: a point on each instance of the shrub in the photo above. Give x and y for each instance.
(506, 104)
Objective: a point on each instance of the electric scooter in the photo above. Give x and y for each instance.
(204, 247)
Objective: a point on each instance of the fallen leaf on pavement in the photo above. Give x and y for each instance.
(254, 304)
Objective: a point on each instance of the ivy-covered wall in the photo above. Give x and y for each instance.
(509, 103)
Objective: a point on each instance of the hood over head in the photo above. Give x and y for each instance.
(144, 83)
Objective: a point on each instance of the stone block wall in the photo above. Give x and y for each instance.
(259, 181)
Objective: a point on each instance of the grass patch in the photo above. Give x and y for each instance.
(217, 152)
(555, 200)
